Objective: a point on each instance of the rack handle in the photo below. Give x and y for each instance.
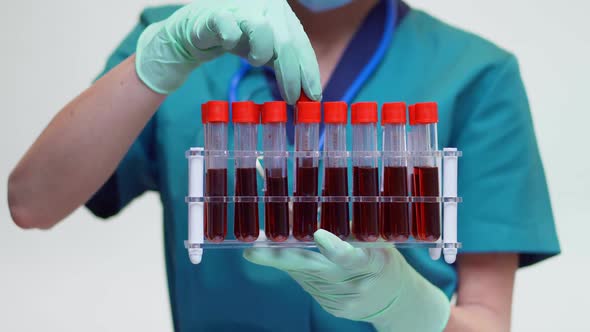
(450, 166)
(196, 209)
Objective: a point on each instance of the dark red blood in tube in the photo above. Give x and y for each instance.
(276, 214)
(216, 212)
(425, 216)
(335, 217)
(246, 226)
(395, 220)
(305, 214)
(365, 215)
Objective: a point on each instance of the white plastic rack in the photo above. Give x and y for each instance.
(447, 245)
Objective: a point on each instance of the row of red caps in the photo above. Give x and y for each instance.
(310, 112)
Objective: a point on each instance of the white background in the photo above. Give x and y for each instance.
(92, 275)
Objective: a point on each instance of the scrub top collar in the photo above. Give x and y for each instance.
(357, 54)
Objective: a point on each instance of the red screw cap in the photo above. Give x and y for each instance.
(364, 112)
(423, 113)
(274, 112)
(204, 112)
(393, 113)
(245, 112)
(308, 112)
(216, 111)
(335, 112)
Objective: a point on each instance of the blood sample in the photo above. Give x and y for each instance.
(215, 121)
(276, 209)
(365, 210)
(425, 178)
(335, 215)
(307, 128)
(410, 135)
(365, 218)
(394, 216)
(246, 117)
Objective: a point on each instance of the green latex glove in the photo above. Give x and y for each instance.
(265, 32)
(372, 285)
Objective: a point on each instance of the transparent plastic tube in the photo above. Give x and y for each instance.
(307, 129)
(335, 215)
(394, 216)
(425, 178)
(365, 219)
(246, 117)
(276, 211)
(215, 121)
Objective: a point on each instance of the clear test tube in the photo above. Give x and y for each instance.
(215, 121)
(365, 162)
(246, 117)
(425, 181)
(307, 132)
(335, 216)
(394, 216)
(276, 209)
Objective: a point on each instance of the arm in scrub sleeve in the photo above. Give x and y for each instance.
(58, 165)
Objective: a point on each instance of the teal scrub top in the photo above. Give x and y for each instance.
(483, 110)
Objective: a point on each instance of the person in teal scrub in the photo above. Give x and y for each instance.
(127, 133)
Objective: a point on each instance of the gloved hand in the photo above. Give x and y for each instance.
(265, 32)
(372, 285)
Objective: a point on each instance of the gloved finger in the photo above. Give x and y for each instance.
(260, 39)
(340, 252)
(309, 69)
(218, 29)
(310, 74)
(287, 72)
(290, 259)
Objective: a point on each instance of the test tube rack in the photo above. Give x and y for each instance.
(447, 245)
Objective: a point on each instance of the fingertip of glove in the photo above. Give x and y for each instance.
(321, 234)
(317, 97)
(329, 242)
(256, 60)
(314, 92)
(290, 99)
(314, 96)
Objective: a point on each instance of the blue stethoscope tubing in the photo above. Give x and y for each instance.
(353, 89)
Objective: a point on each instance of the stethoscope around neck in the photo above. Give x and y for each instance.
(353, 89)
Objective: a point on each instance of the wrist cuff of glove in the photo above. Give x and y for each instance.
(420, 306)
(163, 78)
